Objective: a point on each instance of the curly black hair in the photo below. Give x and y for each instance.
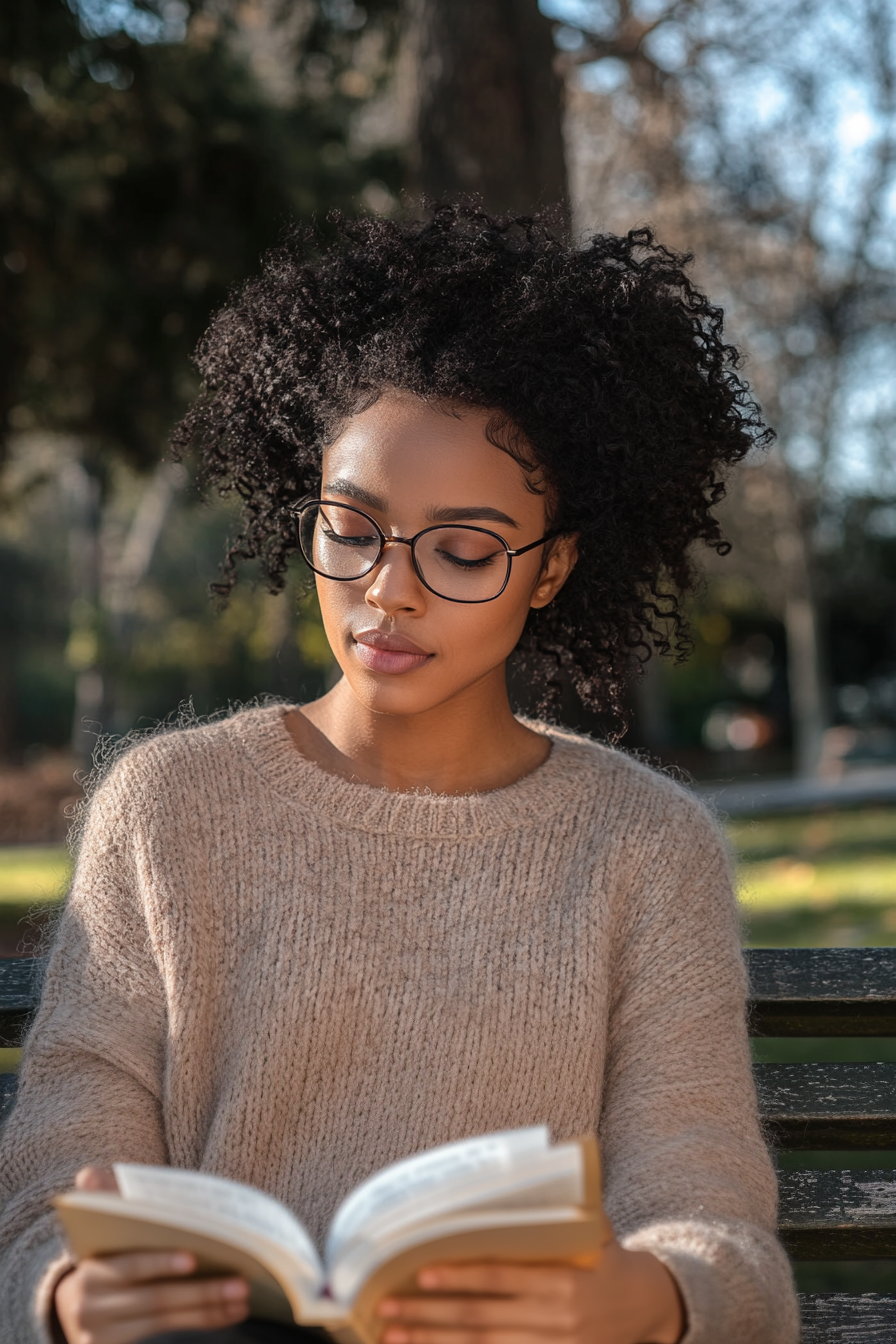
(603, 365)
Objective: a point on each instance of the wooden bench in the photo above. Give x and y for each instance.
(824, 1215)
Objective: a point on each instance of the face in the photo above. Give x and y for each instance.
(403, 649)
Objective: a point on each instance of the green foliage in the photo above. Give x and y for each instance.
(151, 150)
(138, 182)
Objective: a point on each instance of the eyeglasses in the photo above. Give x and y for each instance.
(460, 563)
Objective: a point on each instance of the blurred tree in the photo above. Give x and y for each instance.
(765, 141)
(138, 180)
(151, 151)
(489, 116)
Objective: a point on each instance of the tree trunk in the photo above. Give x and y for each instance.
(806, 682)
(489, 104)
(82, 492)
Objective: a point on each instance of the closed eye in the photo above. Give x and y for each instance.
(460, 563)
(341, 540)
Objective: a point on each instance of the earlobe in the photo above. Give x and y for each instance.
(543, 596)
(546, 592)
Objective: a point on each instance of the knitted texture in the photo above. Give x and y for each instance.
(284, 977)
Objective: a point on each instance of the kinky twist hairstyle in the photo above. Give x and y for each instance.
(603, 366)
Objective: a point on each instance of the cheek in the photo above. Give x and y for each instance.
(483, 634)
(337, 602)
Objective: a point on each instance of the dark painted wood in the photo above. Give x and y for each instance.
(796, 992)
(838, 1215)
(829, 1105)
(829, 991)
(840, 1318)
(19, 994)
(7, 1092)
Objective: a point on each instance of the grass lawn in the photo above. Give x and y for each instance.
(825, 880)
(32, 875)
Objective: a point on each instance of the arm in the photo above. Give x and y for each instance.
(91, 1084)
(688, 1175)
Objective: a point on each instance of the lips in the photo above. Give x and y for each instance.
(384, 651)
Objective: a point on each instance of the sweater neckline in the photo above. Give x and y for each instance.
(295, 779)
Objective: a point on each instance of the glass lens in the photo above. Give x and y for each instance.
(338, 541)
(466, 564)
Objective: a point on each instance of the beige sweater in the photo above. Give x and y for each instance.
(280, 976)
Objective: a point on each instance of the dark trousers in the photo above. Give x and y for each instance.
(252, 1331)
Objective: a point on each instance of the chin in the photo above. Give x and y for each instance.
(397, 695)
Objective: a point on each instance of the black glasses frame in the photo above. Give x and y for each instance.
(385, 541)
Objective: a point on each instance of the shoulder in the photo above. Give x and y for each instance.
(619, 778)
(667, 858)
(177, 760)
(646, 809)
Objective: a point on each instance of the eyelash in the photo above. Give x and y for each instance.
(468, 564)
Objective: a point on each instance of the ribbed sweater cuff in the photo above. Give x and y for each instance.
(31, 1274)
(731, 1277)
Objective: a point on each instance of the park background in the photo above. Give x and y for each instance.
(151, 150)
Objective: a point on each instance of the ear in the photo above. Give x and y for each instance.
(558, 566)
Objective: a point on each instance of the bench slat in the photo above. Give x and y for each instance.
(847, 1106)
(838, 1215)
(841, 1318)
(825, 991)
(7, 1092)
(844, 991)
(829, 1105)
(19, 994)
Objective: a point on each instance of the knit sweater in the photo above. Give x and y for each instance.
(284, 977)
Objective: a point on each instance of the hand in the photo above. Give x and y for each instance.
(121, 1299)
(629, 1298)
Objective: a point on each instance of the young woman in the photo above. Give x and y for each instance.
(305, 941)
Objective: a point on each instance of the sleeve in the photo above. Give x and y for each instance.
(90, 1086)
(689, 1177)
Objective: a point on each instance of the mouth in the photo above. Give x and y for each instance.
(380, 651)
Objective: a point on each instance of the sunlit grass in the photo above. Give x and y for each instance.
(31, 876)
(815, 880)
(829, 833)
(788, 880)
(823, 880)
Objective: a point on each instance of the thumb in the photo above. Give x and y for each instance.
(96, 1178)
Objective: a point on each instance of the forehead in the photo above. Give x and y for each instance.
(413, 453)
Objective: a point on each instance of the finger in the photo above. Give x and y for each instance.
(139, 1267)
(206, 1318)
(554, 1281)
(96, 1178)
(481, 1313)
(166, 1298)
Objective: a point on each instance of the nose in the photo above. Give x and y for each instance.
(395, 585)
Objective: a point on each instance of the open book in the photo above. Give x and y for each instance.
(509, 1196)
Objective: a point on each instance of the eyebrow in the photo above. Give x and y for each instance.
(442, 513)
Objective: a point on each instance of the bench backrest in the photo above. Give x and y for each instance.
(824, 1215)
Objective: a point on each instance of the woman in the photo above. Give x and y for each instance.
(305, 941)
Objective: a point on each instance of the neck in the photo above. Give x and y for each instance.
(471, 744)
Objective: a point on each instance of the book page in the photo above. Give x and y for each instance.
(551, 1179)
(221, 1201)
(458, 1167)
(547, 1180)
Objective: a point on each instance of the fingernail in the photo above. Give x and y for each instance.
(394, 1336)
(181, 1262)
(234, 1289)
(428, 1278)
(389, 1307)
